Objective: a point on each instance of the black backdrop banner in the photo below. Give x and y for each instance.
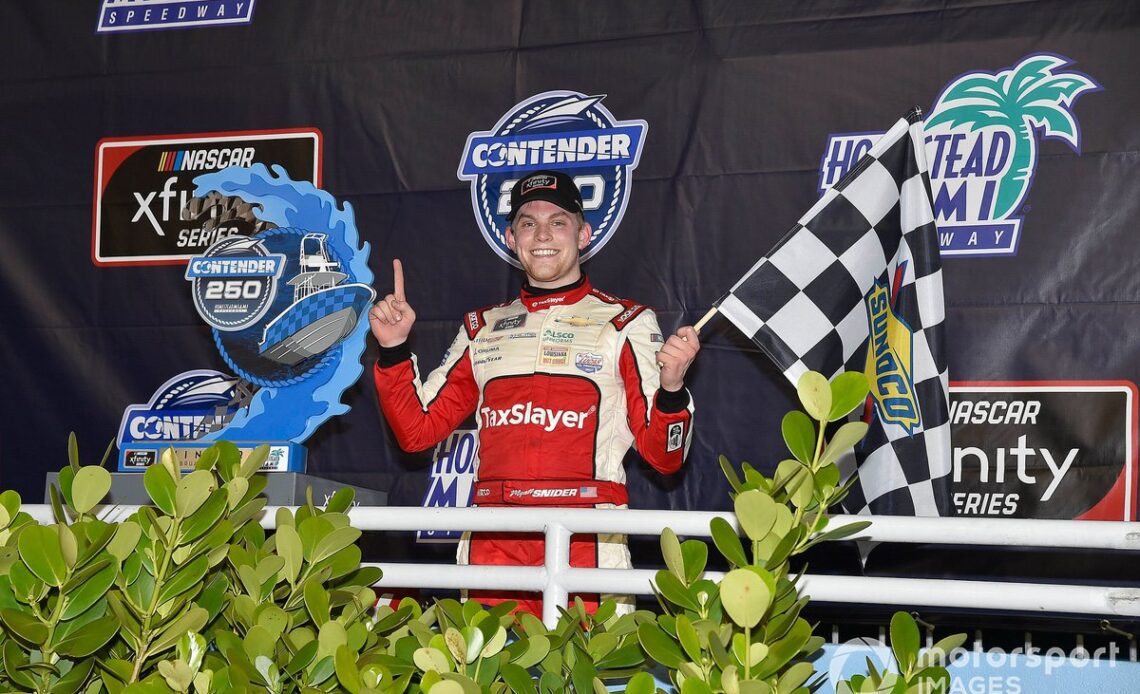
(751, 109)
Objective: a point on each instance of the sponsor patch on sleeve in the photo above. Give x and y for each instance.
(675, 436)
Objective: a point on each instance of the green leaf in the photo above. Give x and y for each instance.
(25, 586)
(333, 543)
(844, 440)
(341, 500)
(696, 555)
(90, 486)
(427, 659)
(730, 473)
(316, 602)
(695, 686)
(89, 591)
(192, 491)
(756, 512)
(797, 481)
(312, 530)
(184, 579)
(236, 490)
(794, 677)
(799, 435)
(289, 548)
(671, 551)
(67, 482)
(41, 552)
(939, 653)
(815, 395)
(727, 541)
(254, 461)
(15, 665)
(520, 681)
(537, 648)
(87, 639)
(161, 488)
(75, 678)
(674, 591)
(745, 597)
(322, 670)
(641, 683)
(659, 645)
(68, 545)
(202, 520)
(96, 535)
(848, 391)
(688, 638)
(57, 505)
(782, 651)
(25, 627)
(904, 640)
(190, 621)
(346, 672)
(73, 452)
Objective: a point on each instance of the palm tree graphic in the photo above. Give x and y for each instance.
(1034, 94)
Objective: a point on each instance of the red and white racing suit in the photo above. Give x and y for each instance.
(562, 383)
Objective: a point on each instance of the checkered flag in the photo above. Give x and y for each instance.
(857, 285)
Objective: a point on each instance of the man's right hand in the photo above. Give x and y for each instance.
(391, 318)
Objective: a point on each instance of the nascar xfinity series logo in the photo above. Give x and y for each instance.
(561, 130)
(138, 15)
(145, 208)
(982, 146)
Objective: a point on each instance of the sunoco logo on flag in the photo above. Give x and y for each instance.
(562, 130)
(982, 147)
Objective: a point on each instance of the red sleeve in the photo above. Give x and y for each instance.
(662, 438)
(423, 414)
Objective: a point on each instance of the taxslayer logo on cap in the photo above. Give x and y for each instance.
(560, 131)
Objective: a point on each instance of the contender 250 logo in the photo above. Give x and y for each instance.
(561, 130)
(982, 144)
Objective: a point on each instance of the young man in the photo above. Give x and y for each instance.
(562, 379)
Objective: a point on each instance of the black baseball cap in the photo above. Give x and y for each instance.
(551, 186)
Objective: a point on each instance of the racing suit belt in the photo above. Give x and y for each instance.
(549, 493)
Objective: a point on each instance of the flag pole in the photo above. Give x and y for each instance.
(705, 319)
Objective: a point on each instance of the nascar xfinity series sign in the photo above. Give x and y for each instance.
(982, 145)
(1047, 449)
(145, 210)
(561, 130)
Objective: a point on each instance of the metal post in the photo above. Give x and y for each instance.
(557, 559)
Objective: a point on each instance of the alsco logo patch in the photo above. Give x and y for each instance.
(889, 354)
(982, 145)
(562, 130)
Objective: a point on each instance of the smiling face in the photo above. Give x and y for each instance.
(547, 239)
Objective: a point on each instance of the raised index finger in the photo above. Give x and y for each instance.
(398, 273)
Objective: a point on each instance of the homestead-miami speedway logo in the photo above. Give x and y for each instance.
(562, 130)
(982, 144)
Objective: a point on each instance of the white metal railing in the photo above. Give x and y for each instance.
(556, 579)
